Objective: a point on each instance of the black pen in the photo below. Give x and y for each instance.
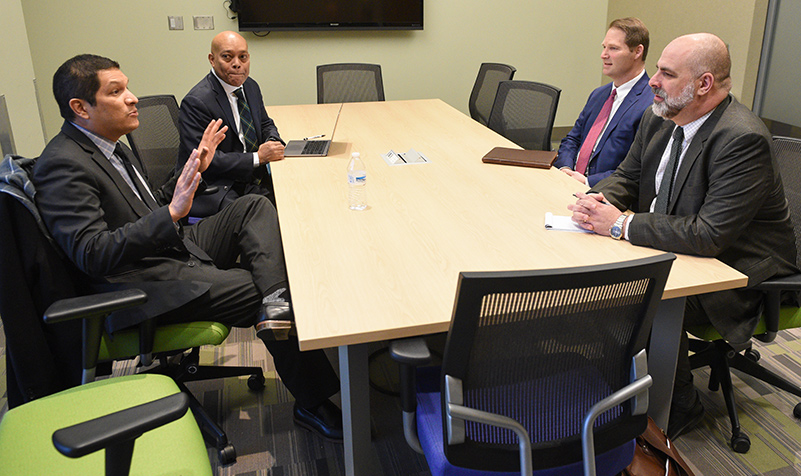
(602, 201)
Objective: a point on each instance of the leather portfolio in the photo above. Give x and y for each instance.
(541, 159)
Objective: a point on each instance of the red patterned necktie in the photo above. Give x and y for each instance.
(595, 131)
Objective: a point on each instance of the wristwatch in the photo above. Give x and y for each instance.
(616, 231)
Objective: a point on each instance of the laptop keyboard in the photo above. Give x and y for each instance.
(314, 147)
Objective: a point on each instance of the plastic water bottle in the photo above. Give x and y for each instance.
(357, 181)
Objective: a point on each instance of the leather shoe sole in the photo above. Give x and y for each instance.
(325, 420)
(276, 321)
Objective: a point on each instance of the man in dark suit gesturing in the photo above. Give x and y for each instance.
(606, 126)
(228, 93)
(701, 179)
(93, 196)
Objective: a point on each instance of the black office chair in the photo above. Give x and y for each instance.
(713, 351)
(524, 113)
(485, 88)
(157, 138)
(349, 82)
(44, 358)
(541, 370)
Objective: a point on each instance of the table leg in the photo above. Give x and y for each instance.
(664, 349)
(360, 458)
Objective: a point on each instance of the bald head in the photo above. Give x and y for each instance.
(705, 52)
(692, 77)
(230, 58)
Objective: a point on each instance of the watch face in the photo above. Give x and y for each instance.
(615, 231)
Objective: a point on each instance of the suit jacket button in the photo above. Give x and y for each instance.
(190, 263)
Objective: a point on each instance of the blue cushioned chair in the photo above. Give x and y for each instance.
(542, 370)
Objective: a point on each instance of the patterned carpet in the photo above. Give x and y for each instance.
(268, 443)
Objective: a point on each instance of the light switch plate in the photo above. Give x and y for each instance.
(204, 22)
(175, 23)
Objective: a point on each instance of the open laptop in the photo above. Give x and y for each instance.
(311, 148)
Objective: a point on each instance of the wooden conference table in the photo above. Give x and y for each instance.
(390, 271)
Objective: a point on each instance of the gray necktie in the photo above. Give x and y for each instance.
(666, 187)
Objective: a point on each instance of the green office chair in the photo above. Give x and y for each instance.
(712, 350)
(139, 421)
(33, 274)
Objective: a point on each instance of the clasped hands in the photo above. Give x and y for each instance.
(198, 161)
(592, 212)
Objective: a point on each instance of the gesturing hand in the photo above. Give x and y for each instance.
(212, 137)
(187, 183)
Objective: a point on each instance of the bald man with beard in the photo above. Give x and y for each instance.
(240, 163)
(701, 179)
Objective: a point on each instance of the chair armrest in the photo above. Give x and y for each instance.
(410, 354)
(117, 431)
(93, 305)
(773, 289)
(93, 309)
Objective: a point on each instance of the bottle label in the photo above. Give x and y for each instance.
(357, 179)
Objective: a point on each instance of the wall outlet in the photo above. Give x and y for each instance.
(175, 23)
(205, 22)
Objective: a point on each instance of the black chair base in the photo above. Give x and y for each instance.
(189, 370)
(721, 357)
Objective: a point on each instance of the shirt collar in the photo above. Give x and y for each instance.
(106, 146)
(624, 88)
(229, 90)
(692, 128)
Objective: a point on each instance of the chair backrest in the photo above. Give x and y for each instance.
(349, 82)
(524, 112)
(542, 347)
(41, 359)
(486, 86)
(787, 151)
(156, 139)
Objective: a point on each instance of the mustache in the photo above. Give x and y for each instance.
(658, 91)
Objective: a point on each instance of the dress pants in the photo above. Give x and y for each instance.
(248, 229)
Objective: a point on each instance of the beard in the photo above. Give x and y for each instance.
(671, 106)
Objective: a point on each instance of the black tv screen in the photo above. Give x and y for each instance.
(268, 15)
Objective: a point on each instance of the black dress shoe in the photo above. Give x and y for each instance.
(685, 413)
(275, 321)
(325, 420)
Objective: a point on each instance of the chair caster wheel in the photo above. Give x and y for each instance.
(256, 382)
(752, 355)
(227, 455)
(797, 411)
(740, 443)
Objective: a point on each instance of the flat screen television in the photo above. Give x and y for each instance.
(284, 15)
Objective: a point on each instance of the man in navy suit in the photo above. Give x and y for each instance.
(240, 163)
(624, 50)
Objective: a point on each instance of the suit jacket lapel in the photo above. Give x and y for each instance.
(223, 104)
(94, 153)
(628, 101)
(694, 151)
(650, 163)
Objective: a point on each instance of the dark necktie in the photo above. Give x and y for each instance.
(144, 193)
(666, 187)
(595, 131)
(246, 123)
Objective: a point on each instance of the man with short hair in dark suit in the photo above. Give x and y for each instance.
(606, 126)
(228, 93)
(93, 196)
(701, 179)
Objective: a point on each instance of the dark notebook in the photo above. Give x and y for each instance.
(541, 159)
